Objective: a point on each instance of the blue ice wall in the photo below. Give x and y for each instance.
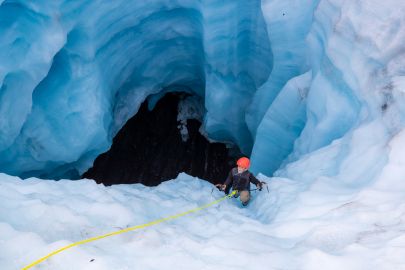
(281, 79)
(73, 72)
(281, 125)
(288, 24)
(354, 104)
(239, 61)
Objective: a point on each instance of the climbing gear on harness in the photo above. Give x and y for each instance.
(127, 230)
(243, 162)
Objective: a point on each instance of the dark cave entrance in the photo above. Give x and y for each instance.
(150, 149)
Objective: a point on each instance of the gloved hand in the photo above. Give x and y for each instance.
(259, 186)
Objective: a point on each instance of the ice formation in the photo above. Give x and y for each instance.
(322, 225)
(188, 108)
(71, 80)
(314, 90)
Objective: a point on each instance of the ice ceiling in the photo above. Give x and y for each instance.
(280, 79)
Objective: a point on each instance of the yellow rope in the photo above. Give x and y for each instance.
(127, 230)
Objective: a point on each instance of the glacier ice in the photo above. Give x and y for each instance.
(73, 79)
(288, 24)
(298, 225)
(70, 81)
(280, 127)
(319, 103)
(354, 55)
(189, 108)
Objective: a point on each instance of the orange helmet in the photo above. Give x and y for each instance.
(243, 162)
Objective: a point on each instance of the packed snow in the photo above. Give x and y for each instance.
(305, 222)
(318, 218)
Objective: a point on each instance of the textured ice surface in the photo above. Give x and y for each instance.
(189, 108)
(72, 73)
(356, 56)
(331, 113)
(288, 24)
(298, 225)
(281, 125)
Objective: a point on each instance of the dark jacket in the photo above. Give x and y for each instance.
(239, 181)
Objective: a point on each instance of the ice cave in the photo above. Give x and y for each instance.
(115, 114)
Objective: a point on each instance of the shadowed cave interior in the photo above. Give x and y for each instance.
(150, 149)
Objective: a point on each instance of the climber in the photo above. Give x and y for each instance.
(239, 179)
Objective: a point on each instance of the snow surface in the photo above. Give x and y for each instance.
(302, 224)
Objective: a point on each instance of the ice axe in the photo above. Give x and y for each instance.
(260, 189)
(218, 186)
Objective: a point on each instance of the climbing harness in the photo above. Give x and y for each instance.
(127, 230)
